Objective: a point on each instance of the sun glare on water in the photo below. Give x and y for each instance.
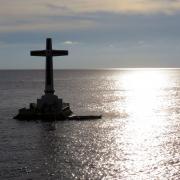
(144, 90)
(145, 103)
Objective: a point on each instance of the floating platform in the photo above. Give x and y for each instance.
(87, 117)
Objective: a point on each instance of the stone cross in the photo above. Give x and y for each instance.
(49, 53)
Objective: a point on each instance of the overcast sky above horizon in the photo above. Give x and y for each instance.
(98, 34)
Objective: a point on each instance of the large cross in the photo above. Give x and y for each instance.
(49, 53)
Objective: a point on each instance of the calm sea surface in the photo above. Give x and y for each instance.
(137, 138)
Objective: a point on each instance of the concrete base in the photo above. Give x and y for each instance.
(49, 107)
(33, 113)
(49, 102)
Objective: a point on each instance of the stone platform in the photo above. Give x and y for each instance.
(49, 107)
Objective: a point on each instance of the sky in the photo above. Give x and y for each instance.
(97, 33)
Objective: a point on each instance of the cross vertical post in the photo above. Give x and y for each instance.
(49, 85)
(49, 53)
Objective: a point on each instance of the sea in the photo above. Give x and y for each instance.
(138, 137)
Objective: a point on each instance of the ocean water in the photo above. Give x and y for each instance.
(137, 138)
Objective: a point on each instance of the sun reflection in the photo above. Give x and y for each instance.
(145, 79)
(144, 92)
(144, 100)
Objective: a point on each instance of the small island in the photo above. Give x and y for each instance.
(49, 107)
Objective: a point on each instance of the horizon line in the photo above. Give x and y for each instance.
(141, 68)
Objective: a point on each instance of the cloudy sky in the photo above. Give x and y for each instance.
(97, 33)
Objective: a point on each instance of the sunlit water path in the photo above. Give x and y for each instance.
(137, 138)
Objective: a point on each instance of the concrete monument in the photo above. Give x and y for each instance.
(49, 106)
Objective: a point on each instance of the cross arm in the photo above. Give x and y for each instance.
(59, 53)
(49, 53)
(38, 53)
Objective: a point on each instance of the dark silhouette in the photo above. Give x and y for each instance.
(49, 107)
(49, 53)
